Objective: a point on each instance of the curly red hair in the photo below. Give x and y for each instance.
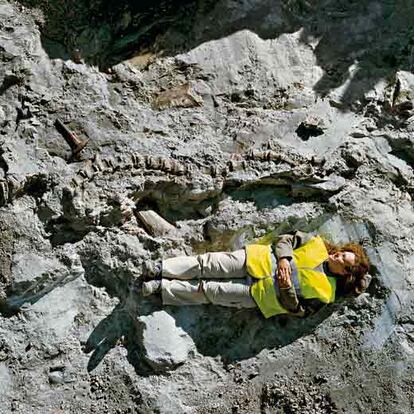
(356, 280)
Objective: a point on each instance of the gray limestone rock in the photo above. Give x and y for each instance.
(166, 344)
(235, 122)
(403, 99)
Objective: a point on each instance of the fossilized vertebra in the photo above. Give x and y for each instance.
(87, 170)
(4, 192)
(166, 164)
(133, 162)
(97, 163)
(138, 161)
(269, 155)
(234, 165)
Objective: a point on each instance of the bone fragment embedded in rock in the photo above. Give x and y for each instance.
(178, 96)
(154, 223)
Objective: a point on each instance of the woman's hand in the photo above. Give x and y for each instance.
(283, 273)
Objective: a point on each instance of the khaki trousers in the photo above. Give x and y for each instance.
(184, 280)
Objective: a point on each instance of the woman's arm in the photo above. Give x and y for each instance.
(289, 299)
(283, 249)
(286, 243)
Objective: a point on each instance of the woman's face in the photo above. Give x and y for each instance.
(340, 263)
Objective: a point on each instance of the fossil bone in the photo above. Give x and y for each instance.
(154, 223)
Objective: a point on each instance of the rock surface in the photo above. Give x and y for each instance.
(166, 345)
(232, 121)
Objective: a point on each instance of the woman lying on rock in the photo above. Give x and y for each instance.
(296, 275)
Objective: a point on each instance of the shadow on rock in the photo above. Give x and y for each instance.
(377, 36)
(112, 330)
(239, 334)
(53, 274)
(160, 338)
(122, 327)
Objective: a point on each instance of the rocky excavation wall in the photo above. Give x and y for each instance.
(231, 121)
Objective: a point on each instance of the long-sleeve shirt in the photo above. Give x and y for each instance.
(283, 248)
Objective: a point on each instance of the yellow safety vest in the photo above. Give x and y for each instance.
(313, 284)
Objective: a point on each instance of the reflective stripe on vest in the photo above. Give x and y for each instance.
(311, 283)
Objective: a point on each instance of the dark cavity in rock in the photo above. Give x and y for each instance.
(305, 131)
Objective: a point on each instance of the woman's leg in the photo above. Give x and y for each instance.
(222, 265)
(182, 292)
(234, 293)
